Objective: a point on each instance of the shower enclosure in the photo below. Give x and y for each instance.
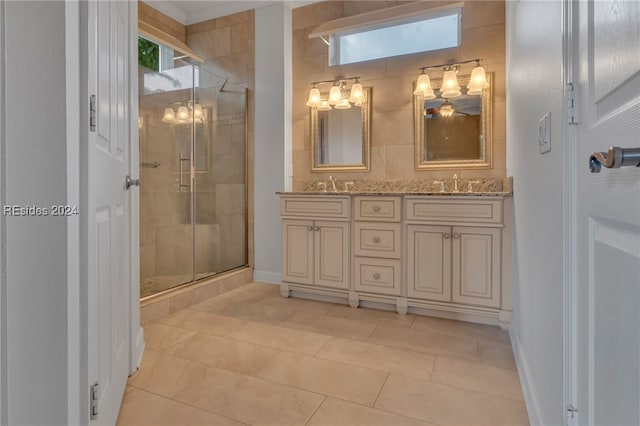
(193, 202)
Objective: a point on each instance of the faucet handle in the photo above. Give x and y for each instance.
(441, 183)
(323, 185)
(470, 185)
(346, 185)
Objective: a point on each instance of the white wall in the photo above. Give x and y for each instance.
(272, 133)
(535, 87)
(36, 261)
(3, 233)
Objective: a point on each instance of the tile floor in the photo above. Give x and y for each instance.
(252, 357)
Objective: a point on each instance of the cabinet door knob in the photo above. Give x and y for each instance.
(376, 276)
(309, 228)
(376, 208)
(446, 236)
(456, 236)
(376, 239)
(317, 228)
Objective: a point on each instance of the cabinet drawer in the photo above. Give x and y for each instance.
(456, 211)
(377, 275)
(334, 207)
(377, 239)
(379, 209)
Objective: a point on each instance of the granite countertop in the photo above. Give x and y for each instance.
(492, 187)
(444, 194)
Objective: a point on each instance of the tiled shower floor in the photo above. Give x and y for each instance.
(252, 357)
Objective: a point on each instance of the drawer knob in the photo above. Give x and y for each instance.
(376, 239)
(309, 228)
(456, 236)
(376, 276)
(376, 208)
(446, 236)
(316, 228)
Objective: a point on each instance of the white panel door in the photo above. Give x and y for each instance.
(476, 266)
(332, 254)
(429, 262)
(297, 251)
(607, 351)
(108, 250)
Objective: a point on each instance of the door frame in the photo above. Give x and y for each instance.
(571, 162)
(77, 107)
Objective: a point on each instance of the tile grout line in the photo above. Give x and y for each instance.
(316, 410)
(187, 404)
(380, 391)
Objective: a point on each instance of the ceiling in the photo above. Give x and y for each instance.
(189, 12)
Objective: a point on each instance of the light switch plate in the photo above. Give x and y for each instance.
(544, 137)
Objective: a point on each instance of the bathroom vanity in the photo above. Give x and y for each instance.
(445, 255)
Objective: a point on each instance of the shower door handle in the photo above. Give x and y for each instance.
(181, 171)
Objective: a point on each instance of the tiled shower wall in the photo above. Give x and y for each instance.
(391, 79)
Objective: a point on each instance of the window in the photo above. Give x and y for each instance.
(153, 55)
(396, 31)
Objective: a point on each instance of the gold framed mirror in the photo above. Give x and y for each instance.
(454, 133)
(340, 138)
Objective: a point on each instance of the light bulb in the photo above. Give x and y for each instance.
(357, 94)
(334, 95)
(197, 112)
(423, 87)
(450, 87)
(183, 115)
(477, 81)
(324, 106)
(446, 109)
(343, 104)
(169, 116)
(314, 98)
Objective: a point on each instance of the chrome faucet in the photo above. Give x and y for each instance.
(323, 185)
(441, 183)
(333, 183)
(346, 185)
(470, 185)
(455, 183)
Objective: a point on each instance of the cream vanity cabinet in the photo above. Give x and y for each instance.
(441, 255)
(315, 241)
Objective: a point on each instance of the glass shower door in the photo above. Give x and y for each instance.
(220, 201)
(166, 223)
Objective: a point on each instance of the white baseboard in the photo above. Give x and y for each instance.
(267, 277)
(526, 380)
(139, 350)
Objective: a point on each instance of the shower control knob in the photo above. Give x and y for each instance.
(128, 182)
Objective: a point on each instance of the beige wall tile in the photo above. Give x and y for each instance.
(482, 13)
(211, 44)
(392, 80)
(241, 33)
(351, 383)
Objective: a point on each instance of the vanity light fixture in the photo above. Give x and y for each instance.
(450, 87)
(187, 113)
(338, 96)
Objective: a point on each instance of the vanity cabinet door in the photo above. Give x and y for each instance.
(297, 251)
(429, 262)
(476, 265)
(332, 254)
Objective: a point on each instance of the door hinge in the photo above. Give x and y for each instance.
(92, 113)
(572, 104)
(94, 398)
(571, 412)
